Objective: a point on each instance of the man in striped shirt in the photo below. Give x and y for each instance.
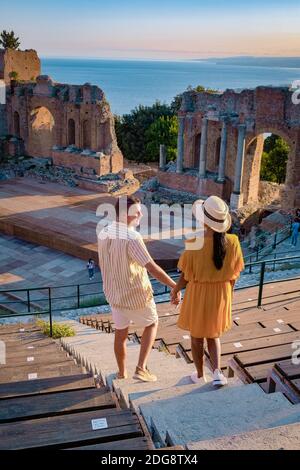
(124, 261)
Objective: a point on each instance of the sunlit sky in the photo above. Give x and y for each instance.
(156, 29)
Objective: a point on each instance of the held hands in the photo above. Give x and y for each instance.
(175, 297)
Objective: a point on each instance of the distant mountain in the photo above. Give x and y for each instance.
(285, 62)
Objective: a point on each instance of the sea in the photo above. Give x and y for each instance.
(129, 83)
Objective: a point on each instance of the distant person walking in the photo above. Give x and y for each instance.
(295, 231)
(91, 268)
(124, 261)
(209, 274)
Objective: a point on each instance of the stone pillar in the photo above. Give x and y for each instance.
(180, 144)
(236, 199)
(162, 156)
(223, 150)
(203, 149)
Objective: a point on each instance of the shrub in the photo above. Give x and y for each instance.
(59, 330)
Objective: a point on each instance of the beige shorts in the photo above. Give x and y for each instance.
(140, 318)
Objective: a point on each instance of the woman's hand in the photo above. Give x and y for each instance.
(175, 296)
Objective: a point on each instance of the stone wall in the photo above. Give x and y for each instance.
(50, 117)
(193, 184)
(269, 193)
(25, 63)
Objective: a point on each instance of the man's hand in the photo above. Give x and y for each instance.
(175, 297)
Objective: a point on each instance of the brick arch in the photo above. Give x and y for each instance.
(41, 131)
(196, 148)
(16, 124)
(217, 153)
(253, 155)
(86, 133)
(71, 131)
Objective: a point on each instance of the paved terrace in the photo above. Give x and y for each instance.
(63, 218)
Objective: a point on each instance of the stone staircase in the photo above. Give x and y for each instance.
(178, 412)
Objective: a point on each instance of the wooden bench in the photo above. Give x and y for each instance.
(254, 366)
(137, 443)
(12, 374)
(55, 404)
(70, 430)
(46, 386)
(285, 377)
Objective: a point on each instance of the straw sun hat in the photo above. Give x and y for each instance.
(213, 212)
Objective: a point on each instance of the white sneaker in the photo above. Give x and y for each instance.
(219, 379)
(196, 380)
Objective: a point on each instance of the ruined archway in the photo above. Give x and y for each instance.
(17, 124)
(217, 154)
(259, 178)
(41, 132)
(196, 156)
(86, 134)
(71, 132)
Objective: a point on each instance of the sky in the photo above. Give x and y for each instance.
(155, 29)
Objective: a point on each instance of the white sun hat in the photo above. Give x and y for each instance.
(213, 212)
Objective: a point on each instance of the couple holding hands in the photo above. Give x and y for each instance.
(208, 273)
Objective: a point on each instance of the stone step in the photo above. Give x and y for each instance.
(167, 378)
(94, 350)
(159, 363)
(278, 438)
(165, 392)
(231, 410)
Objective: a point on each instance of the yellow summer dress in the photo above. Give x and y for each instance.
(206, 306)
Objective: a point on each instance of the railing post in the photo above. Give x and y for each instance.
(28, 300)
(275, 239)
(50, 310)
(261, 284)
(78, 295)
(250, 265)
(275, 256)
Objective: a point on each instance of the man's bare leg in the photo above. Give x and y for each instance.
(120, 350)
(147, 342)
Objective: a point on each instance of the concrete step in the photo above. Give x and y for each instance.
(278, 438)
(94, 350)
(167, 378)
(165, 392)
(227, 411)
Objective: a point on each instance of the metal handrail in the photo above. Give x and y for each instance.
(166, 289)
(273, 245)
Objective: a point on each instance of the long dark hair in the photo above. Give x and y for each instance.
(219, 249)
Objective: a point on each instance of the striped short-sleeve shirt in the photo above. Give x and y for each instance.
(122, 259)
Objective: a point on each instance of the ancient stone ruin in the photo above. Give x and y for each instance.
(220, 143)
(72, 124)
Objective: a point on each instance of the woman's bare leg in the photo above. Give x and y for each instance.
(197, 353)
(214, 349)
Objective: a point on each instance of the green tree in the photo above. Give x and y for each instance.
(274, 160)
(131, 129)
(8, 40)
(162, 131)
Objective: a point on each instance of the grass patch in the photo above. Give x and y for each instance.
(59, 330)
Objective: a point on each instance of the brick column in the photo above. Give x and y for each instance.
(162, 156)
(180, 144)
(223, 150)
(236, 199)
(203, 148)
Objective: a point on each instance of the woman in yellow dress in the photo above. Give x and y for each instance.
(209, 268)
